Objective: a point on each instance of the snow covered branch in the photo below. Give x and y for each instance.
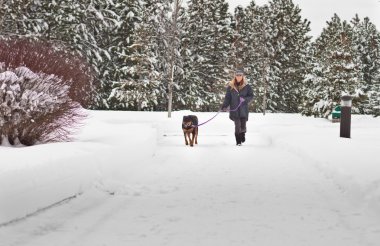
(35, 107)
(41, 89)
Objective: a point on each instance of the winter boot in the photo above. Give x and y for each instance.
(242, 137)
(238, 139)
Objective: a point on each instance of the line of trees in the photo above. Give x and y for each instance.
(154, 53)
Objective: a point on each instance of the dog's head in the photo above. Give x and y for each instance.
(187, 122)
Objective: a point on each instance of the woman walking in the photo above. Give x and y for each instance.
(238, 95)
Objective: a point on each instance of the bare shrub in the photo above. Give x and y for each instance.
(36, 107)
(51, 58)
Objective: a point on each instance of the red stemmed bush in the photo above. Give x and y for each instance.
(41, 92)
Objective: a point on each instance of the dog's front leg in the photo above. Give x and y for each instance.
(185, 134)
(189, 136)
(192, 138)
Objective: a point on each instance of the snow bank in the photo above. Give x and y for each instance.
(33, 178)
(44, 175)
(352, 164)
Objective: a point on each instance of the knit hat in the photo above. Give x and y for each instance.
(239, 72)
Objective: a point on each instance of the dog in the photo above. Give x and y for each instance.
(190, 127)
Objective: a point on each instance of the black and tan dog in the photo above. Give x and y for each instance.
(190, 127)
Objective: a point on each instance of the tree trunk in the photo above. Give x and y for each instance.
(173, 33)
(170, 106)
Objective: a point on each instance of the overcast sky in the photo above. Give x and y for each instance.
(320, 11)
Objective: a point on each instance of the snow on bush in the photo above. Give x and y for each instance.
(35, 107)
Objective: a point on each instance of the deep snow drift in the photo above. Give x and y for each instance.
(294, 182)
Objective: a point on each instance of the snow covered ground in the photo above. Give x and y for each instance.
(129, 179)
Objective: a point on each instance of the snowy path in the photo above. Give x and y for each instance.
(213, 194)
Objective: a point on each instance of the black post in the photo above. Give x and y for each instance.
(345, 118)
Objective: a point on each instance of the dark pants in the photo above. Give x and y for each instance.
(240, 125)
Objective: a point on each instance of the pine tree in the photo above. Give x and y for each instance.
(150, 59)
(88, 26)
(137, 89)
(367, 48)
(121, 48)
(253, 51)
(290, 42)
(207, 42)
(22, 17)
(335, 70)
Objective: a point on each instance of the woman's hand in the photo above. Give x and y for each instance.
(224, 109)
